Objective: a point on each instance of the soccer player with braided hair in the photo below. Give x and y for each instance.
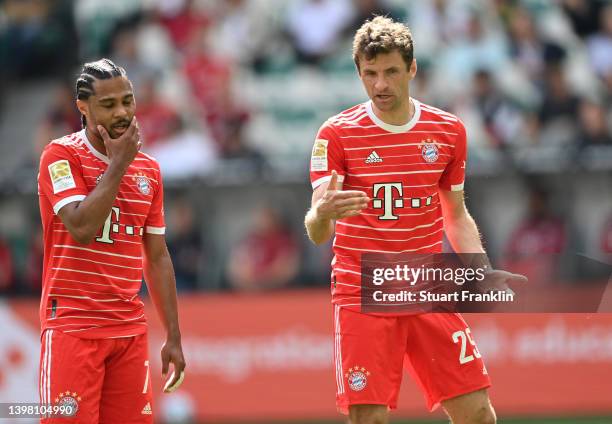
(101, 205)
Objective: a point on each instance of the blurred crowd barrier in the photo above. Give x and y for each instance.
(269, 357)
(249, 236)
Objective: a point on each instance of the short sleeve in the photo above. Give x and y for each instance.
(327, 156)
(60, 177)
(453, 177)
(155, 222)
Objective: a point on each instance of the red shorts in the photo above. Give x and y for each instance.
(371, 351)
(108, 380)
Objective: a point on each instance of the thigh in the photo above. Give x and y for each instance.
(71, 373)
(443, 358)
(368, 359)
(126, 393)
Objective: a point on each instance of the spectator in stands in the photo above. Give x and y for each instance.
(125, 51)
(501, 119)
(32, 33)
(247, 24)
(558, 110)
(592, 127)
(316, 26)
(235, 147)
(482, 47)
(527, 46)
(183, 20)
(535, 244)
(185, 243)
(7, 277)
(599, 45)
(61, 118)
(32, 276)
(435, 24)
(210, 79)
(583, 15)
(367, 9)
(267, 257)
(156, 116)
(184, 152)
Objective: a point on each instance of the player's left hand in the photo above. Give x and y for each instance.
(499, 280)
(172, 352)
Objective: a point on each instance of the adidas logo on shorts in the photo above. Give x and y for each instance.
(147, 409)
(373, 158)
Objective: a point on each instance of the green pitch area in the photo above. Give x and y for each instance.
(578, 420)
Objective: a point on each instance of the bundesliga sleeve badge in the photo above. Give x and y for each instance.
(61, 176)
(318, 160)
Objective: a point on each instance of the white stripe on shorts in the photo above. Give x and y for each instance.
(338, 351)
(49, 368)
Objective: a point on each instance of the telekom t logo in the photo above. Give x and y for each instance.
(387, 203)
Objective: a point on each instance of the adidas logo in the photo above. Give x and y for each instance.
(373, 158)
(147, 409)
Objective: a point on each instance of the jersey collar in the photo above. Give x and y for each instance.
(92, 149)
(395, 128)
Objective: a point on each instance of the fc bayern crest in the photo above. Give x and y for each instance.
(143, 184)
(70, 402)
(429, 150)
(357, 378)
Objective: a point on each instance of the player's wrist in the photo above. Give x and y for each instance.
(173, 335)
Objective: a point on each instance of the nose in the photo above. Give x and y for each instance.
(381, 83)
(121, 112)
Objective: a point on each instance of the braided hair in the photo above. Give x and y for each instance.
(98, 70)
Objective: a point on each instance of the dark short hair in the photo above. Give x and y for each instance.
(383, 35)
(99, 70)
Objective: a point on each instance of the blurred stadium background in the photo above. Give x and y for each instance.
(230, 95)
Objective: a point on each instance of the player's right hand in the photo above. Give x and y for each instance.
(123, 149)
(337, 203)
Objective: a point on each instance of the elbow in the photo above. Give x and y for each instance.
(317, 241)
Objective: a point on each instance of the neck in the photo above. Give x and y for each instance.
(95, 140)
(399, 116)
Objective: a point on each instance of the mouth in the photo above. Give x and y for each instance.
(384, 97)
(120, 128)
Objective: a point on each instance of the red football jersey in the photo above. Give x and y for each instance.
(91, 291)
(401, 169)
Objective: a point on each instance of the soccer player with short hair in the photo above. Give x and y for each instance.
(101, 205)
(388, 177)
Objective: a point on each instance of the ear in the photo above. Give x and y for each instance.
(413, 69)
(83, 107)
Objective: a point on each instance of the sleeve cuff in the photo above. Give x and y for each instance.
(318, 182)
(457, 187)
(66, 200)
(155, 230)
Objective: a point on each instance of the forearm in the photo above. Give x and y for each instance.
(90, 214)
(159, 275)
(319, 229)
(464, 237)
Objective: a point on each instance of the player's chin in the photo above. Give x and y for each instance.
(384, 102)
